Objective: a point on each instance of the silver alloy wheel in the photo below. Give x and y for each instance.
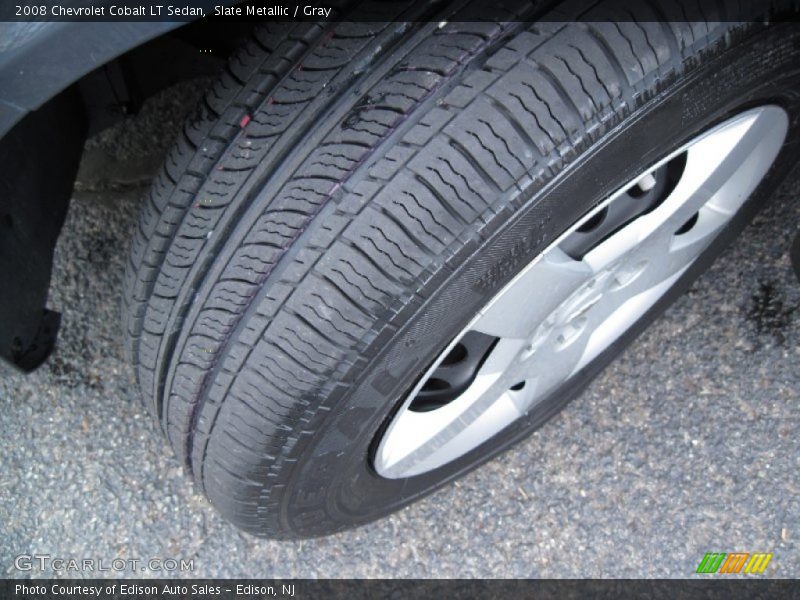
(562, 311)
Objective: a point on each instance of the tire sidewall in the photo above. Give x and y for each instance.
(330, 483)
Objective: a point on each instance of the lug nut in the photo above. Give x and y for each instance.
(646, 183)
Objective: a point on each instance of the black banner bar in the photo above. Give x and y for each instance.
(230, 589)
(115, 11)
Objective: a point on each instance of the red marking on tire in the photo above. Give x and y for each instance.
(245, 120)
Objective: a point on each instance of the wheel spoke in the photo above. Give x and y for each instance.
(455, 421)
(720, 171)
(553, 361)
(532, 296)
(430, 435)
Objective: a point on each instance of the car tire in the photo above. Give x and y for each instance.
(350, 197)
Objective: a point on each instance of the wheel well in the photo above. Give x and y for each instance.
(40, 157)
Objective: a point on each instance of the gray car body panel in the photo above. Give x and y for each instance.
(40, 59)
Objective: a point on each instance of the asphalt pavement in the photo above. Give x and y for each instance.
(689, 443)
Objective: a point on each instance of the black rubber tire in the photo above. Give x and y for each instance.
(345, 200)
